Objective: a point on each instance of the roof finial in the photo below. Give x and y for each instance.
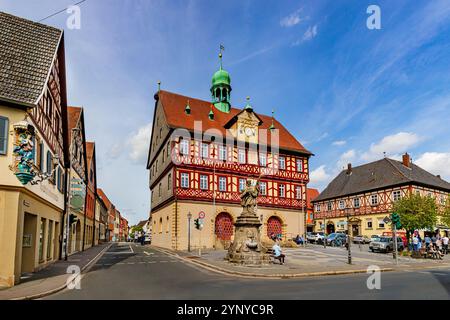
(187, 110)
(272, 127)
(211, 114)
(248, 106)
(159, 85)
(222, 48)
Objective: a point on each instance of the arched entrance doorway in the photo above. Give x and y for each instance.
(274, 227)
(330, 228)
(223, 230)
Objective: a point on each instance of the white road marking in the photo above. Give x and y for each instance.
(131, 248)
(148, 253)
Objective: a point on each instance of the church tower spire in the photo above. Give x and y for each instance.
(221, 88)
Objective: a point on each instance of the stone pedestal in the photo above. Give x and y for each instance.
(246, 248)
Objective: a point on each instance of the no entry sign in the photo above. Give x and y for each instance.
(201, 215)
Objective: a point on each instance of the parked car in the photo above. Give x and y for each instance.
(336, 239)
(148, 239)
(361, 239)
(311, 237)
(386, 244)
(319, 237)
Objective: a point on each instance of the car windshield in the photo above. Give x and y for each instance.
(332, 236)
(385, 239)
(320, 233)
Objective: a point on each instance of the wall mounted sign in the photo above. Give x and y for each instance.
(27, 240)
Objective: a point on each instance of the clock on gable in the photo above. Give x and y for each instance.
(249, 131)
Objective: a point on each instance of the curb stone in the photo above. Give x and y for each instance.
(60, 288)
(268, 276)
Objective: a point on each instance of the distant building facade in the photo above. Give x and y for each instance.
(367, 194)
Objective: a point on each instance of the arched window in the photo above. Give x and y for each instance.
(167, 224)
(160, 225)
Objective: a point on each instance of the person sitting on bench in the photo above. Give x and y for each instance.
(277, 252)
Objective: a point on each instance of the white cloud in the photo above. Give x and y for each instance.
(292, 19)
(319, 176)
(339, 143)
(392, 145)
(310, 33)
(346, 158)
(139, 144)
(435, 162)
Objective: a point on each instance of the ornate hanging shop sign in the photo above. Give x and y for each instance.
(78, 194)
(23, 152)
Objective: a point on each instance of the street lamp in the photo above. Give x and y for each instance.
(189, 230)
(347, 211)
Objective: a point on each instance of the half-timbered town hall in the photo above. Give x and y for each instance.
(201, 155)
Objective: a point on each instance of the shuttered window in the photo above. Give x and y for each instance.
(41, 157)
(4, 124)
(49, 162)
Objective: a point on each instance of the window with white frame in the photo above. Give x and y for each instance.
(282, 163)
(356, 203)
(185, 180)
(242, 184)
(374, 199)
(263, 159)
(241, 155)
(4, 127)
(396, 195)
(205, 151)
(298, 192)
(299, 163)
(380, 223)
(341, 204)
(329, 206)
(222, 152)
(443, 200)
(204, 182)
(281, 190)
(317, 207)
(263, 188)
(222, 184)
(184, 147)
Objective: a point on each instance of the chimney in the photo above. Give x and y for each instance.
(407, 160)
(349, 169)
(439, 176)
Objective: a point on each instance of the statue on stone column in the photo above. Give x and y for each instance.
(249, 196)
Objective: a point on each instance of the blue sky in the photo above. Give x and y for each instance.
(348, 93)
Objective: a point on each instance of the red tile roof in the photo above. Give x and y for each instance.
(174, 110)
(73, 115)
(89, 153)
(311, 194)
(105, 199)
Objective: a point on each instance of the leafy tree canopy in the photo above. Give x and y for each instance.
(416, 212)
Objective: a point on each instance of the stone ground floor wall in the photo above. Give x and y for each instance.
(29, 234)
(170, 224)
(361, 224)
(89, 231)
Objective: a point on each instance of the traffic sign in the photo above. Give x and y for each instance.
(201, 215)
(386, 220)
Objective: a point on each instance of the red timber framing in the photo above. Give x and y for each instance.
(385, 201)
(48, 114)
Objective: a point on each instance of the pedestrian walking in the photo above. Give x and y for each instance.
(445, 244)
(415, 243)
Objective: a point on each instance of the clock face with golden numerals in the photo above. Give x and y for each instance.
(249, 132)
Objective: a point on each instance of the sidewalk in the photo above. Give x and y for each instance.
(307, 262)
(53, 278)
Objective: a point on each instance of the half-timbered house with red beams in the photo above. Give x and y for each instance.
(33, 146)
(366, 195)
(201, 155)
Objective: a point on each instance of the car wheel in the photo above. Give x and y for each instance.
(388, 249)
(371, 249)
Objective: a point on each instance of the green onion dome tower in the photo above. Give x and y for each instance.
(221, 89)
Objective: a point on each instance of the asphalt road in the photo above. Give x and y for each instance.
(130, 271)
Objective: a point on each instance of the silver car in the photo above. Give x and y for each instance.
(386, 244)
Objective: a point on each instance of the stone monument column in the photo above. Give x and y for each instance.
(246, 248)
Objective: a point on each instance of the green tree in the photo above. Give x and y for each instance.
(416, 212)
(445, 216)
(134, 229)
